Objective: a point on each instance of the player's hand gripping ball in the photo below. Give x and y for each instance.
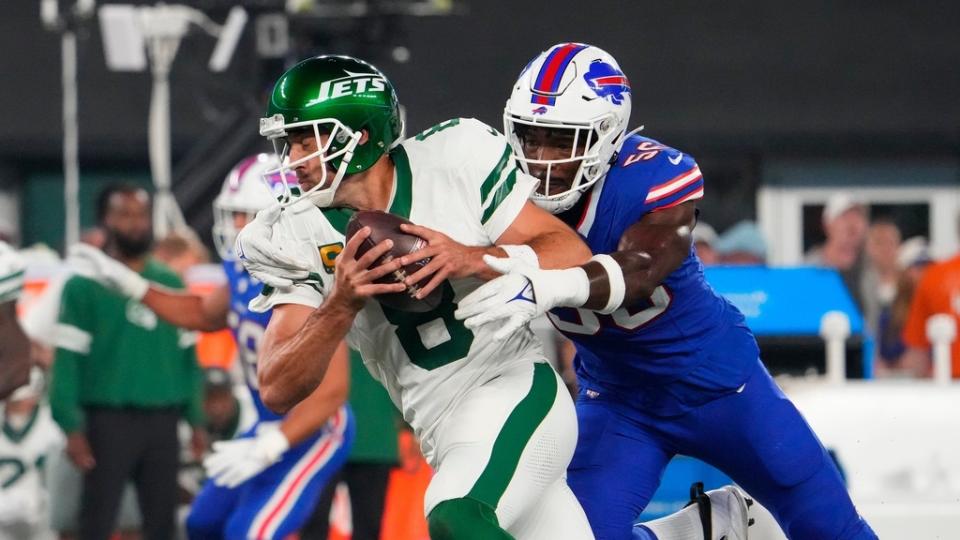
(383, 226)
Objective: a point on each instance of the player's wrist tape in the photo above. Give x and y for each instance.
(569, 287)
(522, 252)
(618, 286)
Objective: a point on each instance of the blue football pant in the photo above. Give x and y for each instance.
(279, 500)
(756, 436)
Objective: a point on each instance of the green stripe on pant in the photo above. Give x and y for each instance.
(513, 437)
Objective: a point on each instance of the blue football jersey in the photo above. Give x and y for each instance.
(248, 328)
(684, 324)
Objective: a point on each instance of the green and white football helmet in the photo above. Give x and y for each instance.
(340, 97)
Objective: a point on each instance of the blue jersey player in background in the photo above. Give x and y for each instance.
(266, 482)
(665, 365)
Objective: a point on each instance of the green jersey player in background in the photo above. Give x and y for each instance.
(493, 418)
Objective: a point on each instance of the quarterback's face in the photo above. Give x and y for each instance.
(552, 144)
(302, 143)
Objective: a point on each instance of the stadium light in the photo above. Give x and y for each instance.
(137, 36)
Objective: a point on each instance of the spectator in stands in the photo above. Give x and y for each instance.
(372, 458)
(881, 272)
(704, 239)
(844, 222)
(912, 258)
(938, 291)
(180, 252)
(122, 379)
(743, 245)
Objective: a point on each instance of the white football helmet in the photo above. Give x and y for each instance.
(577, 87)
(249, 187)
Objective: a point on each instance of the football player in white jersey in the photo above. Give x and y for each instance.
(492, 417)
(15, 352)
(27, 437)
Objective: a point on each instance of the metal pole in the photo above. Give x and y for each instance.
(71, 163)
(166, 214)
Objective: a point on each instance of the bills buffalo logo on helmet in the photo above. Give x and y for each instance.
(540, 110)
(607, 81)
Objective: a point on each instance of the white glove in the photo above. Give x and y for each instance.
(265, 259)
(90, 262)
(234, 462)
(523, 293)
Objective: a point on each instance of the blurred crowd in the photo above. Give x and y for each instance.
(893, 281)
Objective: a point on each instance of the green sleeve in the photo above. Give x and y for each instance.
(194, 407)
(73, 346)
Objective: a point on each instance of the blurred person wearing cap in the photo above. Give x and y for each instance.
(122, 379)
(911, 260)
(938, 291)
(742, 245)
(844, 221)
(704, 239)
(28, 435)
(250, 477)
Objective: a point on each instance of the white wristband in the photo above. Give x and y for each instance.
(618, 286)
(522, 252)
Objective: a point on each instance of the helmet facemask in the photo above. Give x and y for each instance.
(593, 146)
(335, 153)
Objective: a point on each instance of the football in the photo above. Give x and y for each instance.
(383, 226)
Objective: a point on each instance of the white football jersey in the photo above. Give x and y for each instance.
(23, 451)
(459, 178)
(11, 273)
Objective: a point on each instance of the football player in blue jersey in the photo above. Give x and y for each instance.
(265, 483)
(665, 365)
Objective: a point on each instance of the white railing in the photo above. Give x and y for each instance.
(835, 329)
(941, 331)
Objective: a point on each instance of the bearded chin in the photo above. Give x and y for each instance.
(133, 247)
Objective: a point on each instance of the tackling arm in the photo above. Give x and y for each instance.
(535, 235)
(648, 252)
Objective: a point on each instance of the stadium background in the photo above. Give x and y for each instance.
(824, 95)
